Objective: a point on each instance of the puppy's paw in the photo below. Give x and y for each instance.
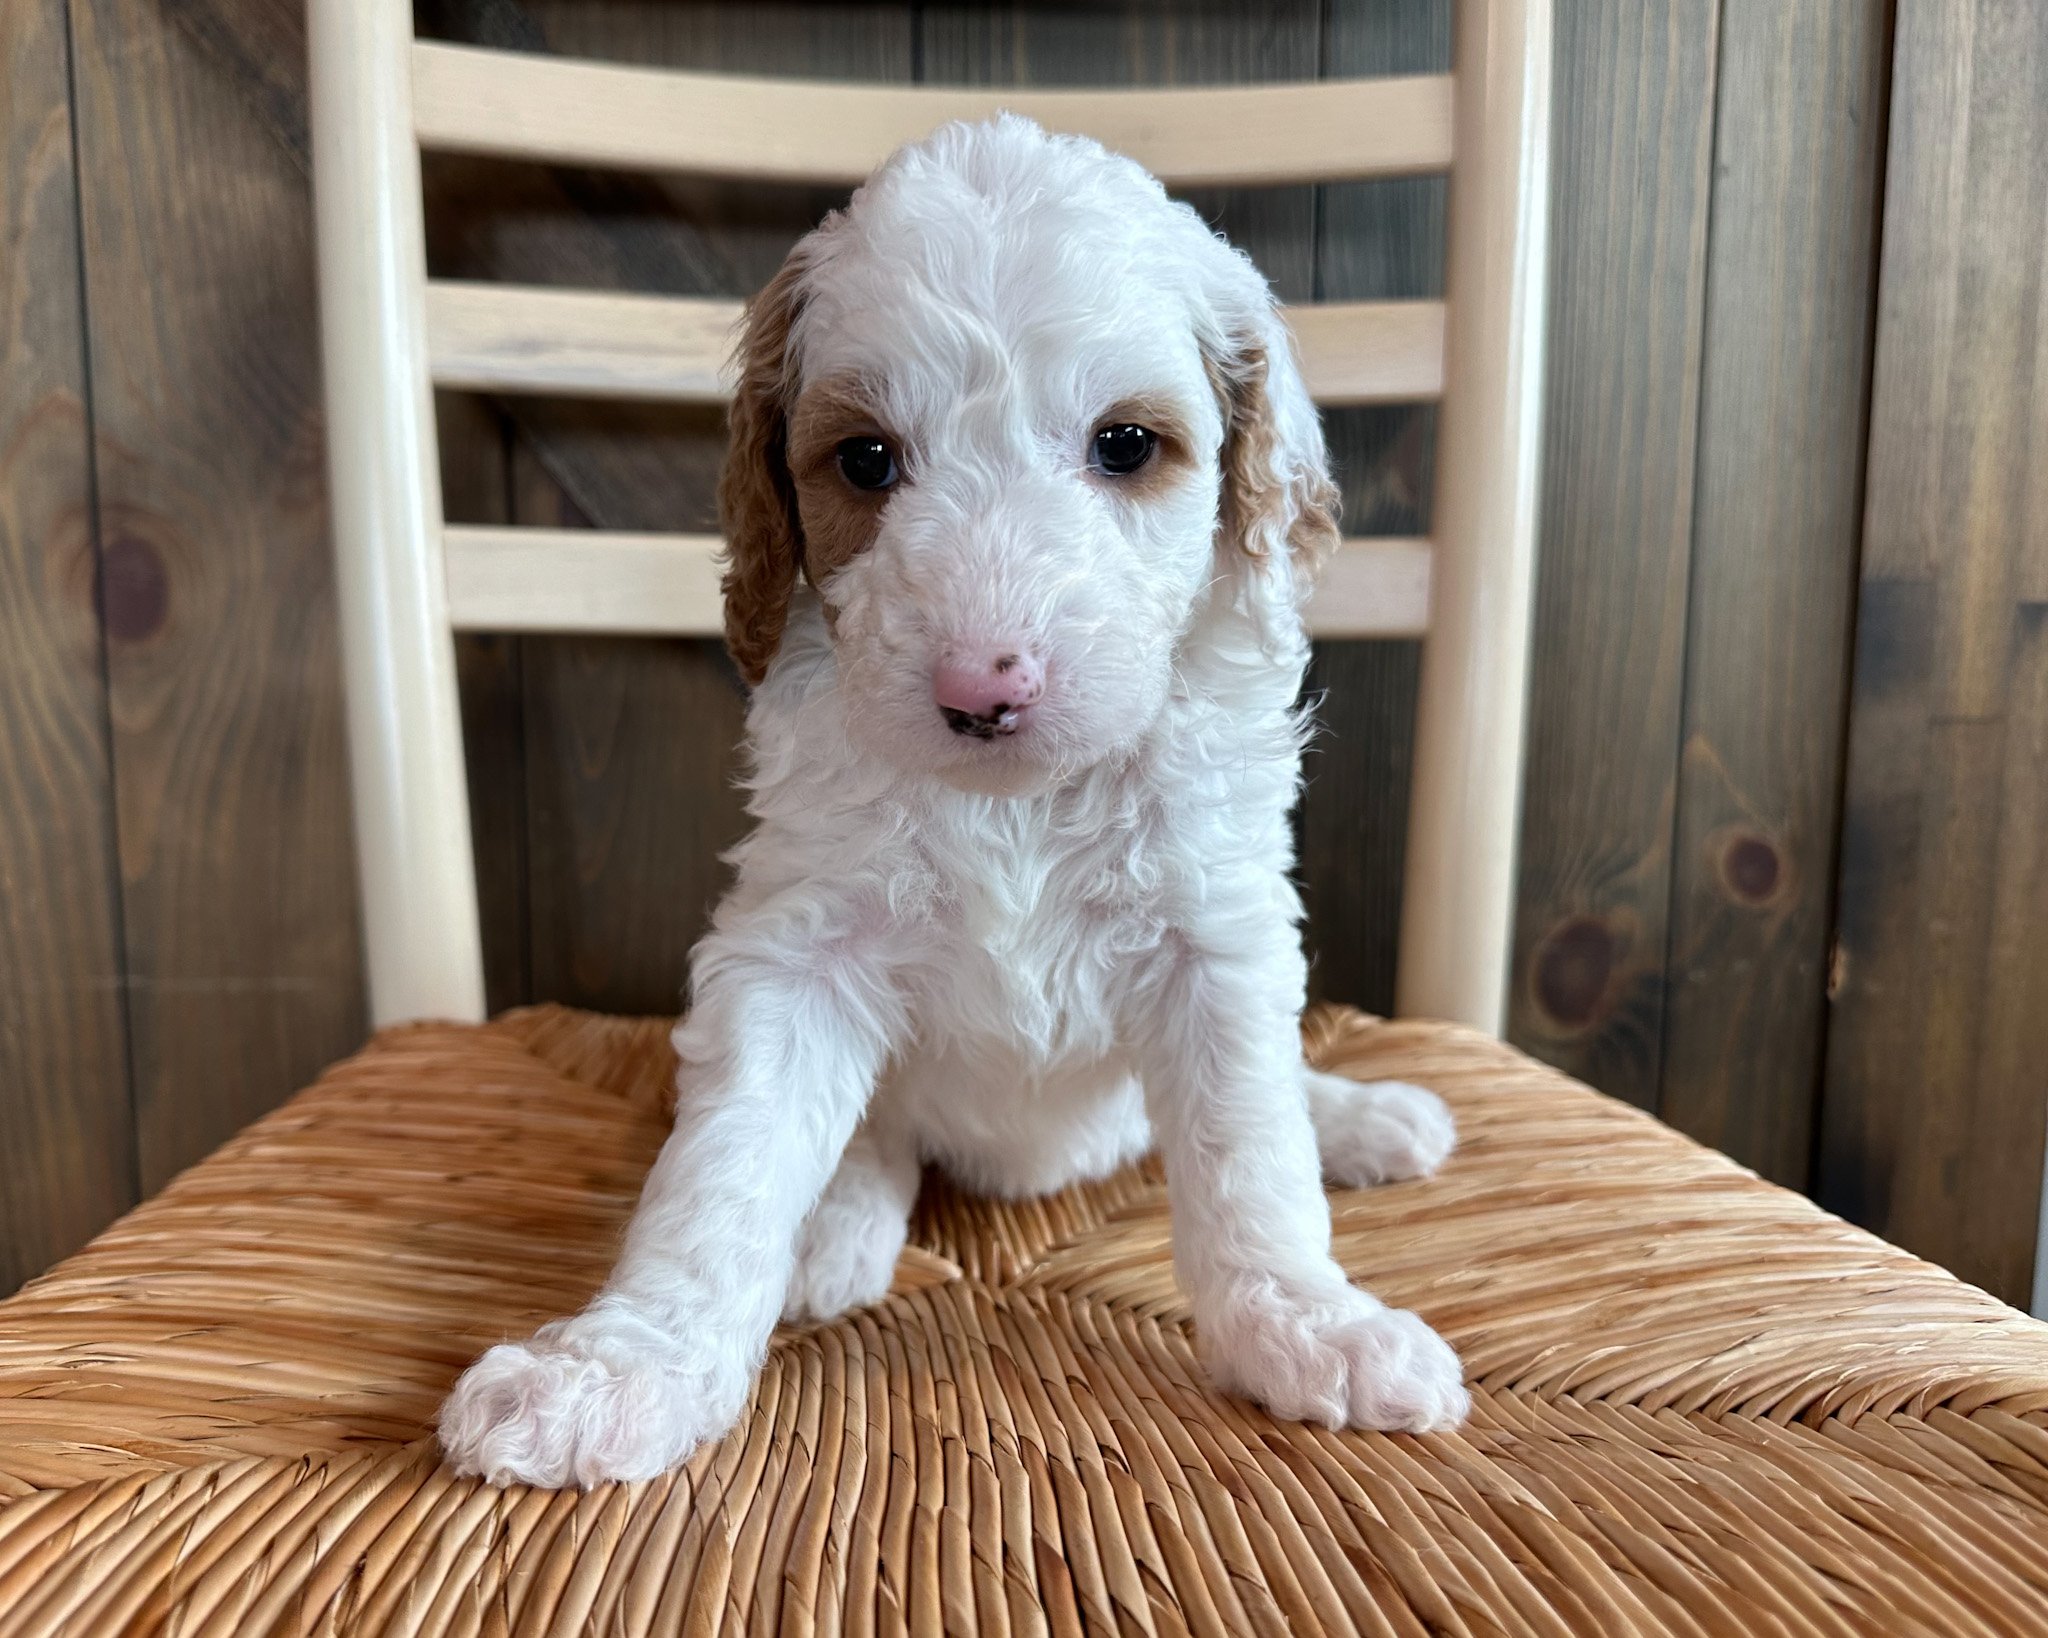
(1378, 1131)
(589, 1399)
(845, 1258)
(1338, 1357)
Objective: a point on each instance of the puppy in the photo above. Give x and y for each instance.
(1023, 499)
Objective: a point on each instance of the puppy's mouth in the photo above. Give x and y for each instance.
(999, 723)
(992, 756)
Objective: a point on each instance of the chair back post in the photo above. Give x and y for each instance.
(417, 874)
(1457, 915)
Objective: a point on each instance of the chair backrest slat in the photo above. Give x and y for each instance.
(515, 104)
(604, 580)
(522, 338)
(595, 343)
(590, 580)
(408, 580)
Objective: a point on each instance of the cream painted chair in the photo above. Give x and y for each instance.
(409, 579)
(1700, 1404)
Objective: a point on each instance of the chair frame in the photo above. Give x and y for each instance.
(408, 580)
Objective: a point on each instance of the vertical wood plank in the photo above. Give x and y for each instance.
(67, 1155)
(632, 753)
(1790, 287)
(1935, 1092)
(1633, 99)
(1377, 241)
(476, 487)
(242, 951)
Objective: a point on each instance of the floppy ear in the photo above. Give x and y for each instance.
(756, 499)
(1278, 516)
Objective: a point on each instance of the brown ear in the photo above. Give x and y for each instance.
(756, 499)
(1277, 493)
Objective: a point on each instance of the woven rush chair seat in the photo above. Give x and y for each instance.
(1701, 1405)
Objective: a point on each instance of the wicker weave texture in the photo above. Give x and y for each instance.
(1702, 1406)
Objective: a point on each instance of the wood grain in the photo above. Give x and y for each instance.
(1935, 1092)
(496, 337)
(1630, 167)
(242, 957)
(533, 106)
(1375, 241)
(527, 578)
(1790, 287)
(67, 1155)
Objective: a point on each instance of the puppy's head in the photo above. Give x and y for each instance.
(1025, 425)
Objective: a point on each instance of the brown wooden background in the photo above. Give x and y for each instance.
(1784, 876)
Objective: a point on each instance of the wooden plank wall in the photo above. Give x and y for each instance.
(67, 1145)
(1937, 1074)
(1798, 144)
(1710, 324)
(181, 945)
(231, 795)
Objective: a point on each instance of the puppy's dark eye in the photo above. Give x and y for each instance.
(868, 463)
(1121, 449)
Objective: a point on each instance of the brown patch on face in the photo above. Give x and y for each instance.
(756, 504)
(1173, 458)
(839, 521)
(1262, 499)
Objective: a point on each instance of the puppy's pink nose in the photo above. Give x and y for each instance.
(983, 692)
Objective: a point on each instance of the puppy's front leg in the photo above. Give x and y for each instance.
(846, 1252)
(778, 1056)
(1215, 1022)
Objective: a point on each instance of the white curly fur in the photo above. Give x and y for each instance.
(1025, 959)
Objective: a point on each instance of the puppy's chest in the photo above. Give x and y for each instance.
(1031, 924)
